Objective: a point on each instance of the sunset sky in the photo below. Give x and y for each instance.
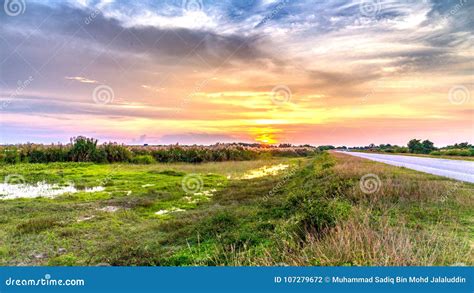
(159, 72)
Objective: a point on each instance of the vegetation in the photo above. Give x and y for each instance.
(426, 147)
(313, 213)
(83, 149)
(459, 149)
(415, 146)
(454, 152)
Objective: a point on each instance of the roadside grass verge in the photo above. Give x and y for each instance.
(322, 217)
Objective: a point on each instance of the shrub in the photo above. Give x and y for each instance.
(116, 153)
(36, 225)
(56, 153)
(317, 214)
(401, 150)
(218, 224)
(34, 153)
(11, 155)
(144, 159)
(63, 260)
(99, 156)
(458, 152)
(36, 156)
(420, 147)
(83, 149)
(454, 152)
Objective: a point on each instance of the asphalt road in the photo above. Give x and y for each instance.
(455, 169)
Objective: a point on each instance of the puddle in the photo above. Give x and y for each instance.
(207, 193)
(40, 189)
(172, 210)
(109, 209)
(200, 196)
(264, 171)
(85, 218)
(190, 199)
(161, 212)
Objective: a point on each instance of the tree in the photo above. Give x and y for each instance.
(415, 146)
(428, 147)
(326, 147)
(83, 149)
(462, 145)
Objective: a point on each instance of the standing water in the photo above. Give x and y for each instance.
(40, 189)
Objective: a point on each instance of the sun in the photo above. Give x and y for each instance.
(266, 138)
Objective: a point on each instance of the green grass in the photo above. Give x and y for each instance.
(314, 213)
(33, 231)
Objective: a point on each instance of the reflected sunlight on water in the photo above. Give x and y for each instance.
(264, 171)
(40, 189)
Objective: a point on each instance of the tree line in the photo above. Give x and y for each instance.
(84, 149)
(418, 146)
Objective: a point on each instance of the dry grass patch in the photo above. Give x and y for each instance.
(398, 184)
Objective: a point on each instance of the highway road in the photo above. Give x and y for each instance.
(455, 169)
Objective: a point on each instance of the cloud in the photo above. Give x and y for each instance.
(196, 138)
(213, 68)
(81, 79)
(140, 140)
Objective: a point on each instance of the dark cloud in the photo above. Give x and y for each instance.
(50, 40)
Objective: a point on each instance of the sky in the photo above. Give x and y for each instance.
(205, 71)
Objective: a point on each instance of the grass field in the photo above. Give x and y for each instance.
(314, 212)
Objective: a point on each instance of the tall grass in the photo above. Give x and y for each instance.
(82, 149)
(359, 241)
